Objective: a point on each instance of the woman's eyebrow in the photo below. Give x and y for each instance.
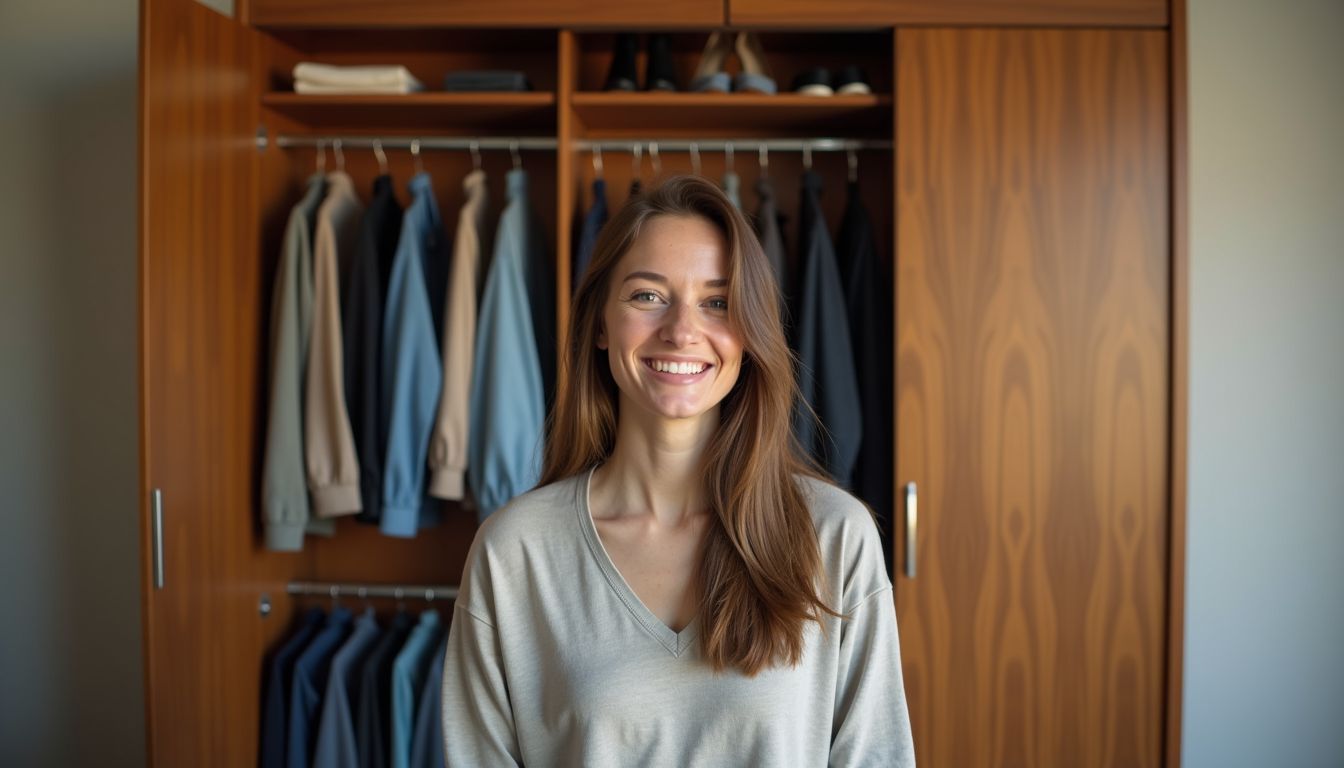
(720, 282)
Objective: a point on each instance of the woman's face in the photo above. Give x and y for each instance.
(672, 350)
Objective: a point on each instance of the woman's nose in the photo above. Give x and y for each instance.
(682, 325)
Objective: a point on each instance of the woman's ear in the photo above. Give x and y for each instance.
(602, 336)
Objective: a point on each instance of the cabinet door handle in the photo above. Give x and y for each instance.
(911, 527)
(156, 501)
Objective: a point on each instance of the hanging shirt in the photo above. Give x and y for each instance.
(373, 716)
(772, 240)
(592, 227)
(310, 681)
(284, 478)
(553, 660)
(279, 679)
(868, 293)
(732, 187)
(336, 747)
(329, 445)
(408, 676)
(507, 390)
(412, 371)
(821, 337)
(427, 737)
(448, 444)
(362, 334)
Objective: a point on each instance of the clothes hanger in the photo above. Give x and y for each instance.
(415, 154)
(695, 158)
(763, 159)
(321, 157)
(807, 157)
(475, 155)
(381, 155)
(597, 162)
(340, 156)
(853, 159)
(728, 156)
(657, 161)
(637, 155)
(517, 158)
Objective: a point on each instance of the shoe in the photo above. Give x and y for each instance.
(851, 79)
(813, 82)
(755, 74)
(621, 77)
(709, 74)
(659, 74)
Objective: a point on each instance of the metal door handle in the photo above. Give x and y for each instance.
(911, 527)
(156, 501)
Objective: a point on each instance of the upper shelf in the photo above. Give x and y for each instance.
(436, 111)
(621, 14)
(618, 113)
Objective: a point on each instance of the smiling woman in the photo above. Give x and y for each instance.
(683, 587)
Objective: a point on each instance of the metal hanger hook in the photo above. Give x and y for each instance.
(475, 155)
(597, 161)
(517, 158)
(853, 159)
(695, 158)
(415, 154)
(321, 156)
(657, 161)
(340, 156)
(381, 155)
(728, 155)
(763, 158)
(807, 156)
(637, 155)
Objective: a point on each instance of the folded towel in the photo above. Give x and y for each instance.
(361, 76)
(303, 86)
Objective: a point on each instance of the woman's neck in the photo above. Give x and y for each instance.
(657, 467)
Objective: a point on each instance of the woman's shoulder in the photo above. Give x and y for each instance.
(848, 538)
(534, 513)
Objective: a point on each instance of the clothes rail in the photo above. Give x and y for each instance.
(425, 142)
(723, 145)
(399, 591)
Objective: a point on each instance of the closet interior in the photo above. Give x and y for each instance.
(228, 147)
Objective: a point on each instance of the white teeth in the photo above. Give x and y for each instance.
(678, 368)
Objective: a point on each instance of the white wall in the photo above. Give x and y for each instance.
(70, 660)
(1264, 661)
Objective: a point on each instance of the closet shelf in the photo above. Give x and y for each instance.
(417, 111)
(740, 113)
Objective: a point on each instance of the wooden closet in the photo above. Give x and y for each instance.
(1031, 205)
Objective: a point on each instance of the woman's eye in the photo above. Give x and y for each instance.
(644, 296)
(718, 304)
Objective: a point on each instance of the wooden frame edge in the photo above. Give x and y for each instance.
(1180, 380)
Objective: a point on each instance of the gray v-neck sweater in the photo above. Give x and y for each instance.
(553, 660)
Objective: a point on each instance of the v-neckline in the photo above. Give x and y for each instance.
(676, 643)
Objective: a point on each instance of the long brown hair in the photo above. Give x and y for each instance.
(761, 573)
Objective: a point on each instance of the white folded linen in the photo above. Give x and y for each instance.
(303, 86)
(355, 76)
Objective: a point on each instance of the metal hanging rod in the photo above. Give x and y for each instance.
(426, 142)
(549, 144)
(399, 591)
(724, 145)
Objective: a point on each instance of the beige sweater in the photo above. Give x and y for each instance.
(448, 443)
(329, 444)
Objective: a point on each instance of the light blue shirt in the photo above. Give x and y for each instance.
(412, 372)
(408, 678)
(507, 408)
(336, 747)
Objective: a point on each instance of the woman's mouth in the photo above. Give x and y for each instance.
(677, 372)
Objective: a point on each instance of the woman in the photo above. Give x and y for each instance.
(681, 588)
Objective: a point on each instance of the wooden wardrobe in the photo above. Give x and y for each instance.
(1030, 199)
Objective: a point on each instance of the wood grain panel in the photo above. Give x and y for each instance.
(841, 14)
(200, 359)
(1032, 392)
(498, 13)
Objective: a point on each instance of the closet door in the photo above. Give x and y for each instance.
(199, 336)
(1032, 393)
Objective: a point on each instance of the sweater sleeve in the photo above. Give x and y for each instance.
(284, 489)
(871, 724)
(411, 382)
(329, 445)
(478, 728)
(448, 446)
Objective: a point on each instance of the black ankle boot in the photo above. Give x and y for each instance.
(659, 74)
(622, 75)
